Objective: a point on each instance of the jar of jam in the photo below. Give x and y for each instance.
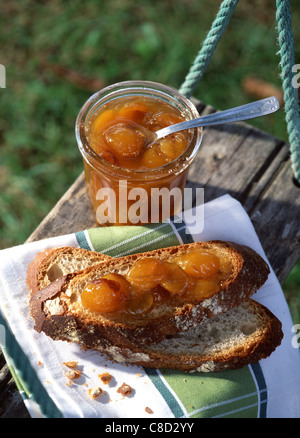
(130, 179)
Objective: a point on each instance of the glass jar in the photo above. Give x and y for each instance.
(121, 196)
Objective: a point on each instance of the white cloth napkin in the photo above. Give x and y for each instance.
(224, 219)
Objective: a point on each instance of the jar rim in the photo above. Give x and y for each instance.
(140, 87)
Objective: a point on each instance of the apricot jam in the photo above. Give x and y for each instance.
(200, 264)
(114, 130)
(146, 274)
(191, 277)
(122, 133)
(106, 295)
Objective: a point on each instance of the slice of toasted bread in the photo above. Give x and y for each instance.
(53, 263)
(63, 298)
(242, 335)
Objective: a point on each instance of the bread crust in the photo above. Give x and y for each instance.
(39, 269)
(249, 274)
(35, 267)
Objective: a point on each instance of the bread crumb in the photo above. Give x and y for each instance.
(124, 389)
(73, 374)
(148, 410)
(95, 392)
(105, 378)
(72, 364)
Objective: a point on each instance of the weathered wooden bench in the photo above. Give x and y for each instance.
(250, 165)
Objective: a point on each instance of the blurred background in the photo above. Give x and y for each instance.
(57, 53)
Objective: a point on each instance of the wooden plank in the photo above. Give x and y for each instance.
(71, 213)
(259, 184)
(11, 402)
(231, 158)
(276, 218)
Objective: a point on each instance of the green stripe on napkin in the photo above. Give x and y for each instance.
(121, 241)
(240, 393)
(224, 394)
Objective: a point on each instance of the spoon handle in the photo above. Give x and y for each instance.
(244, 112)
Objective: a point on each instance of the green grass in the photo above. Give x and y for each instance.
(113, 40)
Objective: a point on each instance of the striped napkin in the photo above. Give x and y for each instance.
(270, 388)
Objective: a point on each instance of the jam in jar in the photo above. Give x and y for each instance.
(131, 179)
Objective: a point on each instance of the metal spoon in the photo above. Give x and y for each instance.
(244, 112)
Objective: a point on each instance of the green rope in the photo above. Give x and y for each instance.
(210, 43)
(286, 42)
(287, 61)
